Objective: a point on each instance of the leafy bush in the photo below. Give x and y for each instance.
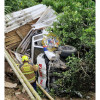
(76, 26)
(79, 78)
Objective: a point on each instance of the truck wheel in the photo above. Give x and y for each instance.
(67, 50)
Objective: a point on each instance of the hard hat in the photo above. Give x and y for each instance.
(25, 58)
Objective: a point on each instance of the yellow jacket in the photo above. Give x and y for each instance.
(29, 71)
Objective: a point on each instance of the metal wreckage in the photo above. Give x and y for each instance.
(25, 34)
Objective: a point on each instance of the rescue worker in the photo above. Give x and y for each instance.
(28, 69)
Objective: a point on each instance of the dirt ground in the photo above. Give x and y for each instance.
(17, 94)
(14, 94)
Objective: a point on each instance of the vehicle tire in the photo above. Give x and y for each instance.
(67, 51)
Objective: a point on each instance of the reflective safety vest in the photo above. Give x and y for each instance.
(28, 70)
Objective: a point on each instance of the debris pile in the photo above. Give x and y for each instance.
(25, 31)
(20, 27)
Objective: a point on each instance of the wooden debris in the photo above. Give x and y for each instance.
(19, 34)
(21, 77)
(25, 42)
(18, 24)
(17, 93)
(9, 59)
(13, 46)
(12, 55)
(13, 39)
(10, 85)
(18, 57)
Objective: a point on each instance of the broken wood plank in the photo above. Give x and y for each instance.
(27, 42)
(10, 85)
(13, 45)
(18, 57)
(20, 45)
(12, 42)
(12, 38)
(23, 29)
(10, 35)
(19, 34)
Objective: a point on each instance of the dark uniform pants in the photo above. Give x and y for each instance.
(34, 85)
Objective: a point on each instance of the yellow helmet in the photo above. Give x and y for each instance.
(25, 58)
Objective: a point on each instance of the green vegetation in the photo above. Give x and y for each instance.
(16, 5)
(76, 27)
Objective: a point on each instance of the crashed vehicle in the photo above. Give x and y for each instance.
(50, 61)
(24, 33)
